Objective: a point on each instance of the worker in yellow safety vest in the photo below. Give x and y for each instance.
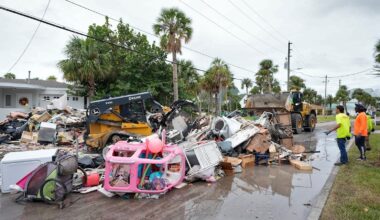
(370, 128)
(342, 129)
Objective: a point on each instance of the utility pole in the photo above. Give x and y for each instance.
(288, 62)
(324, 103)
(340, 81)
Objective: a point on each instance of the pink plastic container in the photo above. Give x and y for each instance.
(125, 163)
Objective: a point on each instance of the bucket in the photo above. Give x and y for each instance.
(92, 179)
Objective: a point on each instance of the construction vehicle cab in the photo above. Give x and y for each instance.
(110, 120)
(302, 113)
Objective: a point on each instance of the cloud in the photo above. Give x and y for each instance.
(329, 37)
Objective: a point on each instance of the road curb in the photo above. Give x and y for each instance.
(317, 208)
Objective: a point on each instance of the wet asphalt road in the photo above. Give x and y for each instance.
(259, 192)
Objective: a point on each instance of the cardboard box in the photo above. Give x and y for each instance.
(232, 160)
(29, 137)
(287, 142)
(247, 160)
(42, 118)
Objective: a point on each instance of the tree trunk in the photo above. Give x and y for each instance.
(220, 100)
(175, 77)
(269, 85)
(216, 104)
(345, 106)
(209, 102)
(91, 88)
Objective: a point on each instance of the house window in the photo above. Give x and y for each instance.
(56, 97)
(68, 98)
(8, 100)
(47, 98)
(75, 98)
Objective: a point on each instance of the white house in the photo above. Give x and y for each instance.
(24, 94)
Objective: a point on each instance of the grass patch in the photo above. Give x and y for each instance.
(377, 127)
(327, 118)
(356, 190)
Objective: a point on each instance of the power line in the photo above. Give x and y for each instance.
(240, 27)
(224, 29)
(255, 22)
(337, 76)
(351, 74)
(263, 19)
(56, 25)
(151, 34)
(30, 40)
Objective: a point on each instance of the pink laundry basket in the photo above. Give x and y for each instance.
(126, 163)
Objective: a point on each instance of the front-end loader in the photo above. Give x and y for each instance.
(302, 115)
(112, 119)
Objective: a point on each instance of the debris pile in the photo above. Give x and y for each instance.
(41, 128)
(186, 147)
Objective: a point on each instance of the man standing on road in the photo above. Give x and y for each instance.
(360, 130)
(342, 133)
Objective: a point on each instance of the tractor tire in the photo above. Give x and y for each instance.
(297, 123)
(311, 122)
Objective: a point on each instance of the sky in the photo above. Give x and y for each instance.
(331, 37)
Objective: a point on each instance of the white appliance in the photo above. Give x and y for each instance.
(16, 165)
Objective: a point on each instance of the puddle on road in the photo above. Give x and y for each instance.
(272, 192)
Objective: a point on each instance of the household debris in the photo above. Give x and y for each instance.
(196, 146)
(42, 127)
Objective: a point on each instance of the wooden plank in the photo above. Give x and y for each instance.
(301, 165)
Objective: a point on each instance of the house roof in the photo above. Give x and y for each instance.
(34, 82)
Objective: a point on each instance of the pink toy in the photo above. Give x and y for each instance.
(154, 144)
(129, 167)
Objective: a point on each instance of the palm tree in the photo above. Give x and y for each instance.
(297, 83)
(189, 79)
(217, 78)
(247, 83)
(255, 90)
(330, 100)
(9, 76)
(363, 97)
(377, 58)
(84, 64)
(173, 26)
(310, 95)
(264, 77)
(342, 95)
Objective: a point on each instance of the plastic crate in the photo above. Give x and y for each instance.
(126, 163)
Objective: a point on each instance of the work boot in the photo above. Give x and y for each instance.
(338, 164)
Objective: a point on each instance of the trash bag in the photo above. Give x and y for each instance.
(98, 161)
(86, 162)
(225, 147)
